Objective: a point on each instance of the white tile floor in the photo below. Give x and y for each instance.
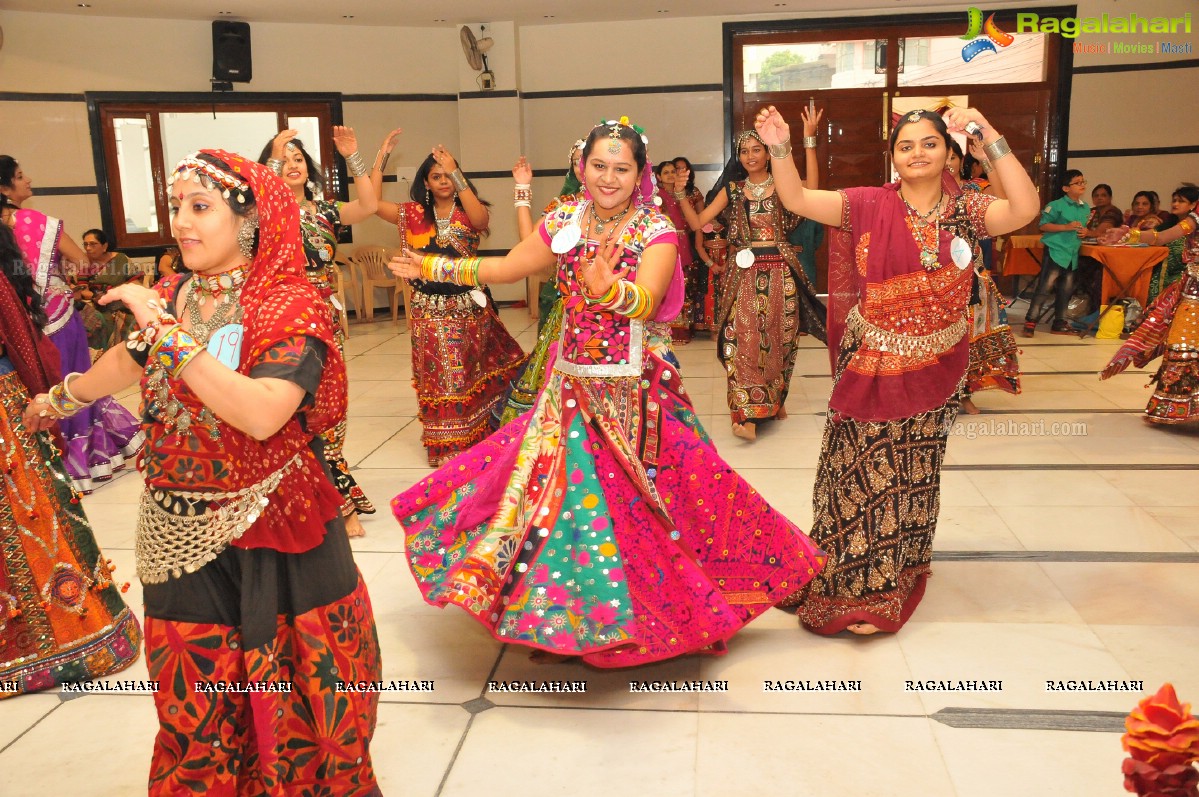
(1061, 557)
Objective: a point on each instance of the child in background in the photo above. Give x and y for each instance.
(1063, 222)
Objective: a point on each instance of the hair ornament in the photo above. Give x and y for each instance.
(915, 116)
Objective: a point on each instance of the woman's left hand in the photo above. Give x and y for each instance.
(598, 274)
(444, 159)
(137, 298)
(522, 172)
(771, 126)
(811, 123)
(345, 140)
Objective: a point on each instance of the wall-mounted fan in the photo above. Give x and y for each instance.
(476, 55)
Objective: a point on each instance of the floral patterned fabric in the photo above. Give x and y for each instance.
(62, 619)
(311, 740)
(603, 523)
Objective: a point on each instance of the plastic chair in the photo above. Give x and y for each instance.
(350, 283)
(406, 291)
(371, 264)
(340, 289)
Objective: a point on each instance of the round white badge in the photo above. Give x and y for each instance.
(479, 297)
(745, 258)
(566, 239)
(961, 253)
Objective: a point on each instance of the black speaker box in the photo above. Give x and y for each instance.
(231, 52)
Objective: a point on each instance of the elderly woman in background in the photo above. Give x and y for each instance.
(106, 324)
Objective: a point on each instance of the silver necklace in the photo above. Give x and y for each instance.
(758, 190)
(599, 223)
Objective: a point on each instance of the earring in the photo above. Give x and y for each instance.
(245, 238)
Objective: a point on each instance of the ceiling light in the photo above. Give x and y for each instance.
(439, 20)
(663, 10)
(83, 5)
(225, 13)
(548, 16)
(347, 16)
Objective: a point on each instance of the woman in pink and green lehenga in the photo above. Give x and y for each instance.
(602, 524)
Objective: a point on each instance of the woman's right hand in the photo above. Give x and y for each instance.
(682, 175)
(280, 141)
(406, 265)
(38, 416)
(1113, 236)
(522, 172)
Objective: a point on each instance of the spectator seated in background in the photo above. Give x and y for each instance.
(109, 324)
(1144, 214)
(170, 263)
(1104, 215)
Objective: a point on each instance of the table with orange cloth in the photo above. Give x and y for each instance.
(1120, 265)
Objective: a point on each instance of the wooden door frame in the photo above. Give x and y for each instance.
(103, 106)
(1058, 78)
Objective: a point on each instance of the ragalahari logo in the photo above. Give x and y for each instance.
(978, 43)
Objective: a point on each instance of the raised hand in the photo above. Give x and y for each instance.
(522, 172)
(280, 141)
(344, 140)
(956, 120)
(444, 159)
(771, 126)
(598, 273)
(811, 123)
(391, 139)
(682, 175)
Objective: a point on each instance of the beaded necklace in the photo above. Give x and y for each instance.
(219, 286)
(927, 235)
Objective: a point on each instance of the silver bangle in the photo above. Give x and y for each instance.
(275, 165)
(356, 165)
(997, 149)
(809, 142)
(459, 180)
(386, 157)
(987, 166)
(780, 150)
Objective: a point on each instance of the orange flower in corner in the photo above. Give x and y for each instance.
(1162, 742)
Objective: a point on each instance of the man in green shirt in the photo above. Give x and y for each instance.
(1063, 222)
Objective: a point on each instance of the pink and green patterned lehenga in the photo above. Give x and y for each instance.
(603, 523)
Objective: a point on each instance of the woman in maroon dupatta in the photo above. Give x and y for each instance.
(61, 617)
(899, 291)
(241, 545)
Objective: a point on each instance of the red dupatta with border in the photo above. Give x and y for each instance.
(874, 264)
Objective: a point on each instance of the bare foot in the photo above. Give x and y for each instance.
(970, 407)
(781, 415)
(539, 656)
(354, 526)
(746, 431)
(862, 629)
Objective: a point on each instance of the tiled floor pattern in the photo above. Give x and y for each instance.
(1067, 550)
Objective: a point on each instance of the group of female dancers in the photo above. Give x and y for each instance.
(596, 522)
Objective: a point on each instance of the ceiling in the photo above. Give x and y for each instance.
(420, 13)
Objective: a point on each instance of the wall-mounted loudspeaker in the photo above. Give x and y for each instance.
(231, 52)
